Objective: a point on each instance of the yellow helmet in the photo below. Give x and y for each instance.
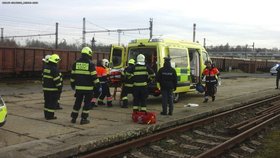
(87, 50)
(54, 58)
(131, 61)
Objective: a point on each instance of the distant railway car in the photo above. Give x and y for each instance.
(187, 58)
(3, 112)
(28, 61)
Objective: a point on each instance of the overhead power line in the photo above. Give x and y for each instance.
(50, 34)
(119, 31)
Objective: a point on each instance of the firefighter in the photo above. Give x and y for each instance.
(45, 62)
(103, 72)
(128, 83)
(141, 76)
(83, 80)
(211, 77)
(100, 71)
(52, 86)
(167, 79)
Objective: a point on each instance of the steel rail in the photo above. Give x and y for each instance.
(236, 140)
(124, 147)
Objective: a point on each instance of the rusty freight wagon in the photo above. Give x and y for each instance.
(28, 61)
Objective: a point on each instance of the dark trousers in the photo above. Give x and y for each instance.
(277, 80)
(106, 92)
(51, 102)
(167, 99)
(124, 93)
(140, 95)
(80, 97)
(210, 89)
(58, 99)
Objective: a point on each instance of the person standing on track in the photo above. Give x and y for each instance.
(84, 81)
(52, 86)
(211, 77)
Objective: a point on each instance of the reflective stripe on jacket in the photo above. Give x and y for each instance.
(83, 75)
(211, 74)
(141, 75)
(52, 78)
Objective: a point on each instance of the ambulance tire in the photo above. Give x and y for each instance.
(2, 124)
(176, 97)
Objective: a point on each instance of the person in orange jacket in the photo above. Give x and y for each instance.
(211, 78)
(102, 74)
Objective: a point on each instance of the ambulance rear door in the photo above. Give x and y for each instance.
(117, 57)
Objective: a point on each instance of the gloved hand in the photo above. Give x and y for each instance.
(100, 90)
(73, 87)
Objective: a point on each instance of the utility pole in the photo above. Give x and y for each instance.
(93, 43)
(84, 32)
(56, 35)
(204, 42)
(2, 34)
(194, 28)
(253, 46)
(151, 28)
(246, 46)
(119, 37)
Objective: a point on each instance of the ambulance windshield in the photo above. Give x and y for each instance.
(149, 53)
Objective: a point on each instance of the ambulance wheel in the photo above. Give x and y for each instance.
(176, 97)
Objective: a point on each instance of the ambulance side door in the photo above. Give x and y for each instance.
(117, 57)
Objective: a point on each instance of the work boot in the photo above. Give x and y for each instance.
(205, 100)
(163, 113)
(213, 98)
(73, 120)
(109, 104)
(51, 118)
(276, 88)
(100, 103)
(58, 108)
(125, 104)
(84, 121)
(170, 113)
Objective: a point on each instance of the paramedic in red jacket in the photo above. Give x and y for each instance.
(211, 78)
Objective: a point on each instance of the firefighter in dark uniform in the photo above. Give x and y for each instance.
(211, 77)
(141, 76)
(167, 79)
(84, 81)
(52, 86)
(103, 72)
(127, 83)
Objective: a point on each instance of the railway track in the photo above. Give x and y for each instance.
(214, 136)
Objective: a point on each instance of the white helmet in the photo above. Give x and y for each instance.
(105, 62)
(141, 59)
(46, 59)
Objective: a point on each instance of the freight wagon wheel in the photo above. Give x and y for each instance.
(176, 97)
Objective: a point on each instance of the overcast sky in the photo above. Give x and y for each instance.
(237, 22)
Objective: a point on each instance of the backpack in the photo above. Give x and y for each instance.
(144, 117)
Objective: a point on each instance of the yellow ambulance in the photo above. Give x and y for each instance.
(3, 112)
(186, 57)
